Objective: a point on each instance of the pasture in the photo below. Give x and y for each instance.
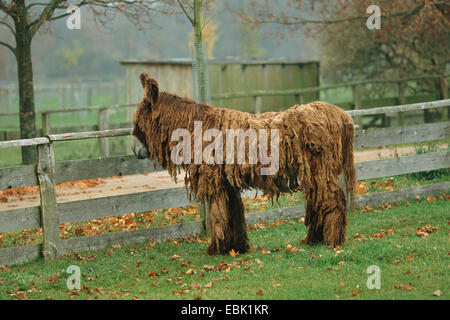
(413, 265)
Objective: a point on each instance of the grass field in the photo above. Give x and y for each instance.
(413, 264)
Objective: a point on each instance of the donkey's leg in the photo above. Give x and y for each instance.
(239, 240)
(315, 228)
(219, 220)
(227, 223)
(335, 221)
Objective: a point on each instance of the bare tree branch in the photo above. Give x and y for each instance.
(5, 8)
(284, 19)
(185, 12)
(8, 26)
(13, 50)
(45, 15)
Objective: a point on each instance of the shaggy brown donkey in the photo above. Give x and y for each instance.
(310, 146)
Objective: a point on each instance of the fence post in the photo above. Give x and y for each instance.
(49, 209)
(103, 125)
(89, 96)
(444, 96)
(71, 95)
(62, 96)
(299, 99)
(45, 118)
(257, 104)
(9, 99)
(116, 92)
(357, 103)
(38, 103)
(401, 101)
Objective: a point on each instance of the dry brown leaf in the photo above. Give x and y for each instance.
(191, 271)
(437, 293)
(53, 279)
(233, 253)
(196, 285)
(405, 287)
(355, 292)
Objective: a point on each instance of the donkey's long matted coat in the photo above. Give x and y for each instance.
(315, 146)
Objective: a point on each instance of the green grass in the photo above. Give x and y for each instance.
(152, 271)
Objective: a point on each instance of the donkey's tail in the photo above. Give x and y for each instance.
(348, 163)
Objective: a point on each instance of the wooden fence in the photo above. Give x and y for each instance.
(68, 92)
(50, 213)
(357, 104)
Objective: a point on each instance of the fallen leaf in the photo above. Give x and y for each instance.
(191, 271)
(209, 285)
(355, 292)
(233, 253)
(437, 293)
(53, 279)
(405, 287)
(4, 268)
(260, 292)
(196, 285)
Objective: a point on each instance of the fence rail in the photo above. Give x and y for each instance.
(262, 93)
(257, 105)
(51, 213)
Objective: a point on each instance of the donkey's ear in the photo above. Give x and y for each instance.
(151, 89)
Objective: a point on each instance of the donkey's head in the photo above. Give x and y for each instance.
(143, 116)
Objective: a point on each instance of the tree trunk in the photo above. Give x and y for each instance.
(201, 87)
(26, 90)
(198, 52)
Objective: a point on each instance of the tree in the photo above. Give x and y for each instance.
(413, 38)
(192, 9)
(23, 19)
(70, 56)
(193, 12)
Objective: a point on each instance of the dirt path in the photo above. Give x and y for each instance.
(105, 187)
